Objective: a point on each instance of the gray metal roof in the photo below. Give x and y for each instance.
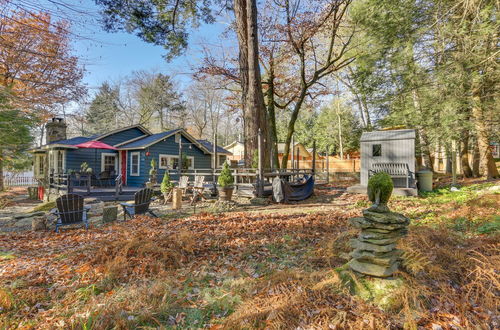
(398, 134)
(210, 146)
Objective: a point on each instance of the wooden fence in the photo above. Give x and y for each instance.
(19, 181)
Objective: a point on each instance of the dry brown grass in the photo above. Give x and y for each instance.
(144, 255)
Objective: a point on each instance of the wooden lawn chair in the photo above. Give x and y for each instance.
(183, 184)
(142, 199)
(198, 188)
(70, 210)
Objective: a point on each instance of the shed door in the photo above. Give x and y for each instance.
(124, 166)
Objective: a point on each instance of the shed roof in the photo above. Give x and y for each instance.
(399, 134)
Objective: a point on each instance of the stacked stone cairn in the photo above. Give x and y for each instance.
(375, 252)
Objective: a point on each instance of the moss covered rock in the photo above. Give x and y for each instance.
(380, 188)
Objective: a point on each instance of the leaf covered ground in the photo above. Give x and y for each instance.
(268, 268)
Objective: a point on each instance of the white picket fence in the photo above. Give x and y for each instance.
(19, 181)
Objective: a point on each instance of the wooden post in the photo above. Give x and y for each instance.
(298, 159)
(216, 160)
(314, 158)
(327, 164)
(293, 152)
(177, 199)
(179, 163)
(453, 163)
(260, 173)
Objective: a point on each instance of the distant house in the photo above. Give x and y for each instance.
(300, 154)
(237, 149)
(136, 147)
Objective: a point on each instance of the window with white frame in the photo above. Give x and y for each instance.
(57, 161)
(39, 166)
(134, 163)
(60, 161)
(109, 162)
(171, 162)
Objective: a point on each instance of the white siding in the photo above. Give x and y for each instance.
(393, 151)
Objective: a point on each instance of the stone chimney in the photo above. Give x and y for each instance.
(55, 130)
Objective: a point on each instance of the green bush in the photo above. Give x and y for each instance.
(166, 184)
(225, 178)
(380, 184)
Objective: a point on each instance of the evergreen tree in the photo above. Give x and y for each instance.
(103, 112)
(15, 134)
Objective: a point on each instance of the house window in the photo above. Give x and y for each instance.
(39, 167)
(134, 163)
(57, 161)
(171, 162)
(108, 162)
(376, 150)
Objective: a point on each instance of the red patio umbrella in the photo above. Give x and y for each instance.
(95, 145)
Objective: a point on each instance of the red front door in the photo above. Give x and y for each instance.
(124, 166)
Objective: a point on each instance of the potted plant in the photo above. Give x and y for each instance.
(166, 187)
(225, 181)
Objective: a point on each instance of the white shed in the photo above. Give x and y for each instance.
(391, 146)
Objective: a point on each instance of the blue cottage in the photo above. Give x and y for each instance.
(135, 148)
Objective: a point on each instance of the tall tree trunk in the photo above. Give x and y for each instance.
(271, 113)
(487, 166)
(255, 98)
(2, 186)
(464, 154)
(291, 128)
(254, 114)
(475, 158)
(240, 13)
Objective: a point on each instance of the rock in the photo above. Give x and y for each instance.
(383, 259)
(29, 215)
(109, 213)
(373, 269)
(356, 244)
(39, 223)
(365, 234)
(364, 223)
(382, 241)
(386, 218)
(259, 201)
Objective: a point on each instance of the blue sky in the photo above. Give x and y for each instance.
(111, 56)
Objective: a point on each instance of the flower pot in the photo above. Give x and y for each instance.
(225, 193)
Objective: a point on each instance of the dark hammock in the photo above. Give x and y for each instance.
(292, 191)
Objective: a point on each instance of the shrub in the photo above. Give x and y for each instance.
(380, 184)
(225, 178)
(166, 184)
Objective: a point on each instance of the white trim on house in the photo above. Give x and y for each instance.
(132, 154)
(104, 154)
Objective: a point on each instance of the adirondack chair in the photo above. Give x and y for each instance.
(198, 188)
(142, 199)
(70, 210)
(184, 184)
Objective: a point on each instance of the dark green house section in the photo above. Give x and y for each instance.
(167, 146)
(122, 136)
(75, 157)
